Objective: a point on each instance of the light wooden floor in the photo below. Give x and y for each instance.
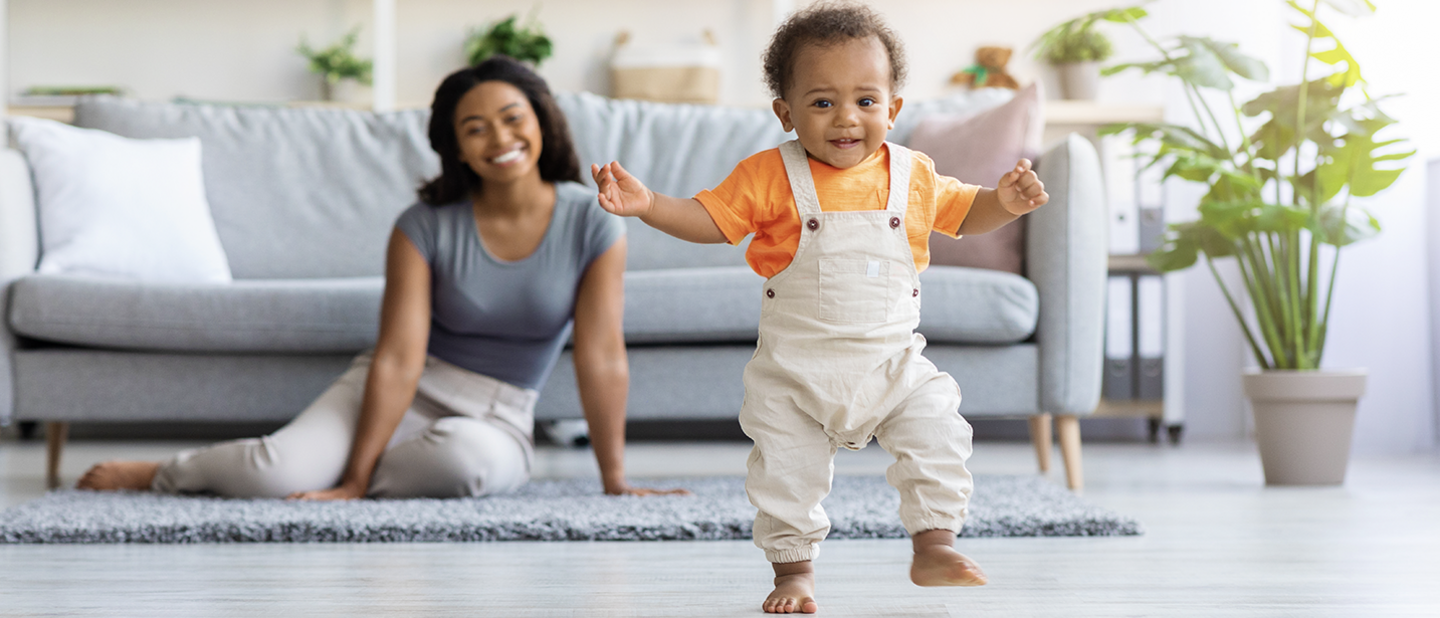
(1218, 543)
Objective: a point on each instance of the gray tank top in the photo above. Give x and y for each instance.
(507, 320)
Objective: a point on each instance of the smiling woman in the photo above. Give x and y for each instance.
(484, 280)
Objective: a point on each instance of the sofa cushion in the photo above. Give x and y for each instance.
(295, 192)
(979, 149)
(306, 316)
(975, 305)
(693, 305)
(722, 305)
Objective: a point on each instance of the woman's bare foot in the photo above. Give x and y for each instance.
(113, 475)
(936, 562)
(794, 589)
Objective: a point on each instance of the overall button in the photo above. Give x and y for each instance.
(915, 292)
(770, 293)
(813, 224)
(894, 222)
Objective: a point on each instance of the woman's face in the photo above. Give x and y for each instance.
(498, 131)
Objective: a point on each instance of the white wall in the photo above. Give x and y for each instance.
(1383, 311)
(244, 51)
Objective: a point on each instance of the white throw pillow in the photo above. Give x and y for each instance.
(115, 206)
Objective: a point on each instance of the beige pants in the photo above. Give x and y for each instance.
(465, 434)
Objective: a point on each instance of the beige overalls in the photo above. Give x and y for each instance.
(839, 362)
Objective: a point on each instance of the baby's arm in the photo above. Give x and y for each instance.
(1018, 192)
(625, 195)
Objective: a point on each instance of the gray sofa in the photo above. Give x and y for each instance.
(304, 199)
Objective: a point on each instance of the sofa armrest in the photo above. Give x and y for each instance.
(1067, 257)
(19, 252)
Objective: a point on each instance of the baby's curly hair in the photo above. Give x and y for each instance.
(828, 23)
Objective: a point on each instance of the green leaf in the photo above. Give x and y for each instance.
(1277, 136)
(1341, 226)
(1353, 8)
(1177, 253)
(1354, 162)
(525, 43)
(1123, 16)
(1173, 135)
(1201, 66)
(1229, 55)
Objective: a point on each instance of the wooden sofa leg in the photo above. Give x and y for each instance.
(1068, 427)
(1040, 436)
(55, 434)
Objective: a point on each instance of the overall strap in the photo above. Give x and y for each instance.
(901, 161)
(802, 184)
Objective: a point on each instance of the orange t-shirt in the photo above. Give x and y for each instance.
(756, 199)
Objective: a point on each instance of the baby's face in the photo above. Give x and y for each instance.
(840, 102)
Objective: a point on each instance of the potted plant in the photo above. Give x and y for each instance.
(1076, 49)
(526, 43)
(1281, 197)
(336, 64)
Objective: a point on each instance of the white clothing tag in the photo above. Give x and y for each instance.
(874, 269)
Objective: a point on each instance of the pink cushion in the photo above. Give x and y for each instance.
(979, 149)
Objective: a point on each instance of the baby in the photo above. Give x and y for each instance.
(841, 220)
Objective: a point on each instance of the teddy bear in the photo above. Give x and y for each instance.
(988, 70)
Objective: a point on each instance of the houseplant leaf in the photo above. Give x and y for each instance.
(1340, 225)
(1229, 56)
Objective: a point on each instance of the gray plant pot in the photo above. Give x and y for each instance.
(1079, 81)
(1303, 423)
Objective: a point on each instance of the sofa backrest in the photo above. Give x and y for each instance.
(681, 149)
(295, 192)
(314, 192)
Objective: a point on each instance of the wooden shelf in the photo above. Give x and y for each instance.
(63, 113)
(1145, 408)
(1091, 113)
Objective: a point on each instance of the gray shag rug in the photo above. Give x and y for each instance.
(860, 507)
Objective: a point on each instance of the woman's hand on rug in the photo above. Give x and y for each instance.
(626, 489)
(336, 493)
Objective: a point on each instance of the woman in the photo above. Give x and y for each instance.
(482, 281)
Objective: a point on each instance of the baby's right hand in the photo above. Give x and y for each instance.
(621, 193)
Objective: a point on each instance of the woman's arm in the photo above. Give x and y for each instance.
(601, 369)
(684, 218)
(396, 368)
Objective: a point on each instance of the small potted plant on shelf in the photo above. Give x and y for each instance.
(337, 65)
(526, 43)
(1076, 49)
(1281, 202)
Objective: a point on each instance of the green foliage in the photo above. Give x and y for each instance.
(1284, 192)
(527, 43)
(1078, 41)
(1082, 45)
(338, 61)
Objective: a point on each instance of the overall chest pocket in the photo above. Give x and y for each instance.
(855, 290)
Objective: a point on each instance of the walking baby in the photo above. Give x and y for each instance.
(841, 221)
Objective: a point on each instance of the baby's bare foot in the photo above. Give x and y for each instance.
(793, 594)
(936, 562)
(943, 566)
(794, 589)
(113, 475)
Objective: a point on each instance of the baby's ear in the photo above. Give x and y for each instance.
(895, 104)
(782, 111)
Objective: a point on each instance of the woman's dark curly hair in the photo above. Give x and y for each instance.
(456, 179)
(825, 24)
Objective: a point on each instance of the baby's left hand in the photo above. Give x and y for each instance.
(1020, 191)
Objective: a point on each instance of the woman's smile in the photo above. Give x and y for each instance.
(512, 155)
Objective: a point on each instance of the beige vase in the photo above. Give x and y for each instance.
(1079, 81)
(1303, 423)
